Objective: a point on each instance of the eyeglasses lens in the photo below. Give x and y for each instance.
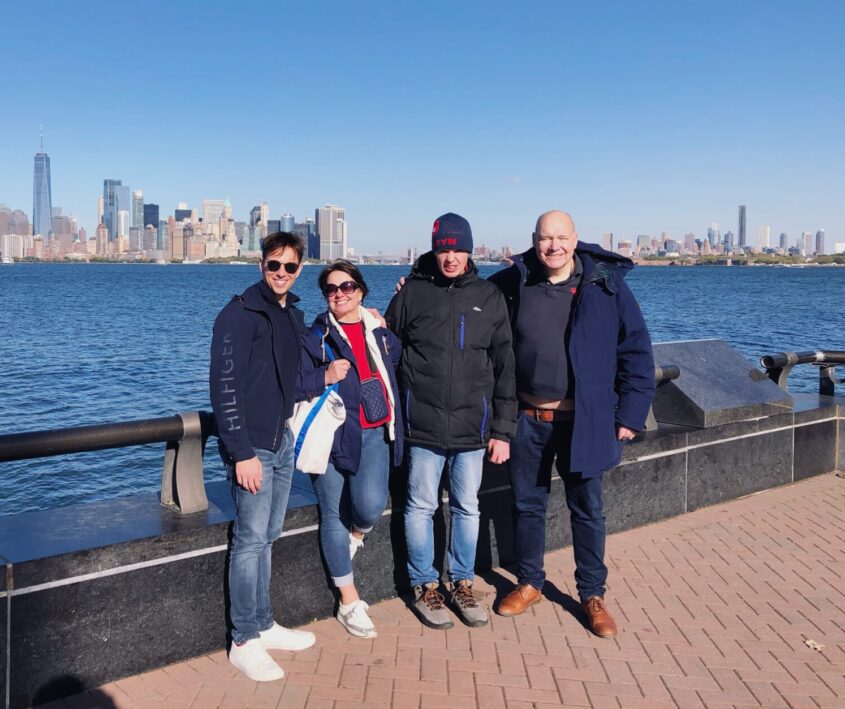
(347, 288)
(290, 266)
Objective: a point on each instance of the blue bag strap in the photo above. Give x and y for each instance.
(300, 439)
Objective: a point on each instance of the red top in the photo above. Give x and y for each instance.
(355, 334)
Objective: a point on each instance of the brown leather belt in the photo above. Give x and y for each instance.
(549, 415)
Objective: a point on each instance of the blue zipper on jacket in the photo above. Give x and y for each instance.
(462, 332)
(484, 418)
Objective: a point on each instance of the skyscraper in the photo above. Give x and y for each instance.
(138, 209)
(116, 198)
(782, 241)
(42, 193)
(259, 215)
(713, 235)
(741, 234)
(287, 222)
(805, 243)
(122, 222)
(331, 228)
(151, 215)
(820, 242)
(212, 210)
(307, 232)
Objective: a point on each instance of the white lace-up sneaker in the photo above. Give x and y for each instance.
(356, 620)
(354, 545)
(255, 662)
(279, 638)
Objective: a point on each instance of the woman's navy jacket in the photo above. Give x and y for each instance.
(346, 450)
(609, 352)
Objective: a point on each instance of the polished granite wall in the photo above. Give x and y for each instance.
(115, 588)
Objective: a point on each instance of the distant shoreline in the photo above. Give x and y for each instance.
(637, 262)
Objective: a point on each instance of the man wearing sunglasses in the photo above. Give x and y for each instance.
(459, 400)
(254, 380)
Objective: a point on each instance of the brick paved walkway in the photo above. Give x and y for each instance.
(716, 608)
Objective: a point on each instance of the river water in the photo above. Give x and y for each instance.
(95, 343)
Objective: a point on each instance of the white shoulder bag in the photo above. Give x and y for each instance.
(314, 424)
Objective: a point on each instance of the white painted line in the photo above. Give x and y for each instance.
(684, 449)
(137, 566)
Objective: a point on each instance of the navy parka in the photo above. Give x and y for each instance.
(346, 449)
(609, 351)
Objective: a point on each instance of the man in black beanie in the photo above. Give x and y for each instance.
(459, 397)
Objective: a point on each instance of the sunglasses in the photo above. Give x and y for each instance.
(273, 265)
(347, 288)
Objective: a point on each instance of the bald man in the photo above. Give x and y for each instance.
(585, 381)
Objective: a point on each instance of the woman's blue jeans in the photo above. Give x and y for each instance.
(534, 447)
(258, 523)
(352, 500)
(425, 467)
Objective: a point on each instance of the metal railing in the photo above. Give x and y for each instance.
(662, 373)
(779, 365)
(182, 483)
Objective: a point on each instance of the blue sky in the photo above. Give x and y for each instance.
(638, 117)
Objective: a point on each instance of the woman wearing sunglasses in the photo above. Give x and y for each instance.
(352, 493)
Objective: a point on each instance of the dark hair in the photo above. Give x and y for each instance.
(349, 269)
(282, 240)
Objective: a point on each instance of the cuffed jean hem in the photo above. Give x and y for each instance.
(423, 582)
(339, 581)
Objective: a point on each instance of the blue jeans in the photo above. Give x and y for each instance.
(534, 447)
(258, 523)
(352, 500)
(425, 467)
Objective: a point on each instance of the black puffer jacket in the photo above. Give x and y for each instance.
(456, 379)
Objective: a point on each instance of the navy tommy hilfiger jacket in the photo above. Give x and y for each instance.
(609, 352)
(255, 375)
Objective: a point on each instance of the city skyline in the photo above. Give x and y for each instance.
(629, 118)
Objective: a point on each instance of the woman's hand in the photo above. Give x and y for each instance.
(337, 371)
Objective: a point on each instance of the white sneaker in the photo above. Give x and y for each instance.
(354, 545)
(355, 619)
(254, 661)
(279, 638)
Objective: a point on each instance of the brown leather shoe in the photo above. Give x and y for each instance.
(519, 600)
(598, 618)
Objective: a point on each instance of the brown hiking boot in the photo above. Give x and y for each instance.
(519, 600)
(599, 619)
(429, 607)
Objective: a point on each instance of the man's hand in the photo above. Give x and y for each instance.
(400, 283)
(376, 314)
(248, 474)
(625, 434)
(498, 451)
(337, 371)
